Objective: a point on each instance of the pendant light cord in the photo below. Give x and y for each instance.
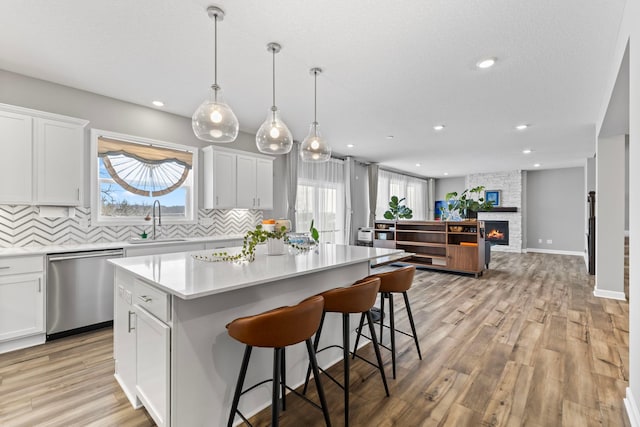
(215, 51)
(273, 51)
(315, 97)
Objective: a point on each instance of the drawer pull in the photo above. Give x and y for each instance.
(129, 327)
(144, 298)
(5, 267)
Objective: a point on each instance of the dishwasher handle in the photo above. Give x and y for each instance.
(96, 254)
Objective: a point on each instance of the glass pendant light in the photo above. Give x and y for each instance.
(314, 148)
(214, 121)
(274, 136)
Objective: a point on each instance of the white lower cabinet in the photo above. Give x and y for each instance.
(142, 345)
(124, 332)
(21, 302)
(152, 365)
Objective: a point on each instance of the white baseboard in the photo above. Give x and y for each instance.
(556, 252)
(609, 294)
(632, 409)
(20, 343)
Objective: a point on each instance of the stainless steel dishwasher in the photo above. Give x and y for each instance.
(79, 291)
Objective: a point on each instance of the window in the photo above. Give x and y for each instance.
(131, 173)
(321, 198)
(395, 184)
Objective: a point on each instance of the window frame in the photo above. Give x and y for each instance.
(191, 208)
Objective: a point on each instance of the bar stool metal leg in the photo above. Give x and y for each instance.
(316, 342)
(345, 357)
(283, 378)
(413, 326)
(376, 347)
(316, 377)
(383, 295)
(355, 347)
(275, 390)
(240, 384)
(392, 325)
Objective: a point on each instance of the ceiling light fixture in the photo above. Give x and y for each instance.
(522, 126)
(350, 145)
(438, 127)
(214, 121)
(446, 174)
(486, 63)
(536, 165)
(274, 136)
(390, 136)
(158, 103)
(314, 148)
(418, 164)
(526, 151)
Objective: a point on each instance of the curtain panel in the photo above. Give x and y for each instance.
(415, 190)
(321, 197)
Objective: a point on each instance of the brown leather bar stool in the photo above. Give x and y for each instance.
(357, 298)
(392, 282)
(278, 329)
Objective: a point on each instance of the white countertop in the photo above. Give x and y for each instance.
(77, 247)
(181, 275)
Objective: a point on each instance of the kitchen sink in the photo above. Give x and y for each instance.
(151, 241)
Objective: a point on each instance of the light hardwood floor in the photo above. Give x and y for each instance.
(526, 344)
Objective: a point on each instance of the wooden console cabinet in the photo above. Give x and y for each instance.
(453, 246)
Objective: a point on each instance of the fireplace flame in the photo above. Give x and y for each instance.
(495, 234)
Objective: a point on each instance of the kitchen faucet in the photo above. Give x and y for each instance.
(153, 211)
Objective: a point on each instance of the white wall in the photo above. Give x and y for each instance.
(555, 210)
(610, 217)
(449, 185)
(633, 392)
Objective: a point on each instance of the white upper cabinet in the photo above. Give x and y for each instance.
(42, 160)
(16, 185)
(264, 184)
(237, 179)
(60, 155)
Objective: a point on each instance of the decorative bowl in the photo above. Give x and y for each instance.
(455, 228)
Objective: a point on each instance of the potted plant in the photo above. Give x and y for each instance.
(468, 203)
(397, 210)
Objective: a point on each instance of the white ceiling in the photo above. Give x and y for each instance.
(391, 68)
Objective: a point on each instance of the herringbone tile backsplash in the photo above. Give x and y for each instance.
(23, 226)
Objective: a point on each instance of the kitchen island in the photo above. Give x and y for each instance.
(172, 351)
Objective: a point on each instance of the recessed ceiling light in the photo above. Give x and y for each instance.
(418, 164)
(522, 126)
(349, 145)
(446, 173)
(158, 103)
(526, 151)
(536, 165)
(486, 63)
(438, 127)
(390, 136)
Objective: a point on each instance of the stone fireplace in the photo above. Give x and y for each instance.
(510, 184)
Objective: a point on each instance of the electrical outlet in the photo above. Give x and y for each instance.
(539, 240)
(206, 221)
(549, 241)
